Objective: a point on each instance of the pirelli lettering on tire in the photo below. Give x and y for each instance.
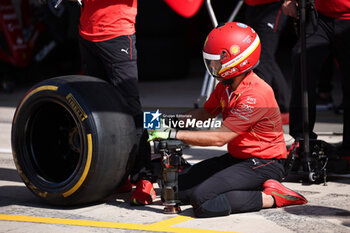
(76, 107)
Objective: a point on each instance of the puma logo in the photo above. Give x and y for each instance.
(255, 163)
(125, 51)
(270, 25)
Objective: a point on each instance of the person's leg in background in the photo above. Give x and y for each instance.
(318, 49)
(342, 48)
(324, 87)
(268, 21)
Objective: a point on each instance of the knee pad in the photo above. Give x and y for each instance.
(219, 206)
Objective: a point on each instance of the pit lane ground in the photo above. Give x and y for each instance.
(328, 209)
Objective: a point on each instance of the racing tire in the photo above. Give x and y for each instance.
(73, 140)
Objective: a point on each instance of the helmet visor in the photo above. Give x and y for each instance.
(212, 63)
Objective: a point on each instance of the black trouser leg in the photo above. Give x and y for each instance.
(91, 64)
(268, 21)
(342, 52)
(115, 61)
(192, 176)
(236, 187)
(142, 168)
(318, 49)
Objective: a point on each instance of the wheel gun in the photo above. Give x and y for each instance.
(172, 163)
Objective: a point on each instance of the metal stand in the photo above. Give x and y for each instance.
(316, 162)
(209, 82)
(304, 97)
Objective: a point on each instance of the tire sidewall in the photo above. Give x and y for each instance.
(93, 159)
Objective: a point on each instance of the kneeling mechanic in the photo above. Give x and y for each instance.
(247, 177)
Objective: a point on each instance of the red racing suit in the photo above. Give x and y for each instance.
(251, 111)
(339, 9)
(103, 20)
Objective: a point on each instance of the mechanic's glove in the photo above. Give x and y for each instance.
(164, 133)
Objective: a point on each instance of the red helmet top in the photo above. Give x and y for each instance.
(231, 49)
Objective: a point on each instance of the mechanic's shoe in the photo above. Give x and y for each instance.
(144, 193)
(126, 187)
(282, 195)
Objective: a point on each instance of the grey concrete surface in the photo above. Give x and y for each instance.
(328, 209)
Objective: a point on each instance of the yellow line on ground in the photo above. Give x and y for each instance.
(171, 221)
(162, 226)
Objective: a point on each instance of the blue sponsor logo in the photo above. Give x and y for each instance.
(151, 120)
